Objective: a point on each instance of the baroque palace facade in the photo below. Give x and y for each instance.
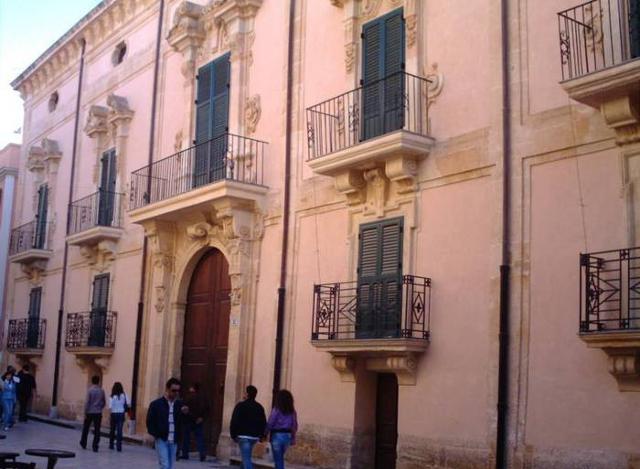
(417, 215)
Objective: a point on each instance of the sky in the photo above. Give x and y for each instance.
(27, 29)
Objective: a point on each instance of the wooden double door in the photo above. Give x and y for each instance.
(206, 334)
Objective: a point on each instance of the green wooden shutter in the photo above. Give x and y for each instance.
(203, 126)
(98, 316)
(380, 279)
(33, 321)
(634, 28)
(40, 234)
(383, 84)
(108, 175)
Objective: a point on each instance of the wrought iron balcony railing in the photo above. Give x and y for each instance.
(32, 235)
(610, 291)
(397, 102)
(598, 34)
(374, 311)
(26, 333)
(228, 157)
(91, 329)
(103, 208)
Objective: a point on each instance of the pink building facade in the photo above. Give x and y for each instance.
(417, 216)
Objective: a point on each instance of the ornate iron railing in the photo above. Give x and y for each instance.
(26, 333)
(91, 329)
(610, 290)
(103, 208)
(397, 102)
(32, 235)
(598, 34)
(338, 310)
(229, 156)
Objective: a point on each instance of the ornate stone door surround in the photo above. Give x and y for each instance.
(234, 226)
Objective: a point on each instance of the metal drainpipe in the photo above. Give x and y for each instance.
(143, 274)
(56, 372)
(277, 363)
(502, 435)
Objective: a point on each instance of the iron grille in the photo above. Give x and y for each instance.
(32, 235)
(91, 329)
(610, 290)
(26, 334)
(336, 311)
(596, 35)
(103, 208)
(228, 157)
(397, 102)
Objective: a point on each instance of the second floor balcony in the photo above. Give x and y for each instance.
(383, 125)
(91, 333)
(95, 218)
(26, 337)
(229, 166)
(386, 324)
(30, 243)
(610, 310)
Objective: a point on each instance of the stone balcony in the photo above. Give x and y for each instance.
(390, 339)
(29, 247)
(91, 337)
(26, 338)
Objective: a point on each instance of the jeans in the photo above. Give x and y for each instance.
(115, 430)
(246, 448)
(7, 412)
(96, 420)
(166, 453)
(186, 439)
(279, 444)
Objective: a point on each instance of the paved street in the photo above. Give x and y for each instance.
(42, 435)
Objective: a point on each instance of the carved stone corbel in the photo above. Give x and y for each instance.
(345, 365)
(402, 171)
(51, 155)
(100, 255)
(33, 271)
(377, 186)
(352, 185)
(198, 231)
(623, 116)
(187, 35)
(404, 366)
(624, 365)
(120, 114)
(96, 125)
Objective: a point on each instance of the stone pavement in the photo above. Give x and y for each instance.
(42, 435)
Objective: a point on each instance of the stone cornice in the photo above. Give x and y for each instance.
(94, 27)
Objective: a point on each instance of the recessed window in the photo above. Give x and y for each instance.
(53, 101)
(119, 53)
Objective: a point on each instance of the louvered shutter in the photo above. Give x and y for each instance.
(107, 188)
(634, 28)
(220, 117)
(33, 321)
(380, 279)
(98, 316)
(39, 237)
(203, 125)
(383, 84)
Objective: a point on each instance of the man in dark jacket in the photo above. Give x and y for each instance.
(93, 405)
(164, 422)
(26, 391)
(193, 423)
(248, 424)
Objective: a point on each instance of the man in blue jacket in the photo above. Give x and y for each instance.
(164, 422)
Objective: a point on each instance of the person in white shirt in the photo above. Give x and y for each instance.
(119, 405)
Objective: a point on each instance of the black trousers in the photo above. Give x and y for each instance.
(23, 401)
(96, 419)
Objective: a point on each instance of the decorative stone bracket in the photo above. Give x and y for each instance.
(623, 351)
(34, 270)
(187, 35)
(44, 160)
(100, 255)
(90, 362)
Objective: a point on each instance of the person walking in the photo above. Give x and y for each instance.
(248, 424)
(282, 426)
(118, 405)
(93, 405)
(9, 390)
(193, 423)
(26, 391)
(164, 422)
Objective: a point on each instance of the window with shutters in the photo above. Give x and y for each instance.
(33, 324)
(383, 61)
(380, 279)
(212, 121)
(40, 232)
(98, 315)
(107, 189)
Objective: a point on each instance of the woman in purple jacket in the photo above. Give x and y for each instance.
(282, 426)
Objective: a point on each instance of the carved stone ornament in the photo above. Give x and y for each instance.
(119, 115)
(187, 35)
(34, 271)
(35, 160)
(96, 124)
(252, 112)
(345, 365)
(623, 115)
(100, 255)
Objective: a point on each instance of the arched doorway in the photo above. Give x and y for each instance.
(206, 335)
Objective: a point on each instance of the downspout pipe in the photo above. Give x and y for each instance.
(56, 371)
(143, 271)
(502, 434)
(277, 363)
